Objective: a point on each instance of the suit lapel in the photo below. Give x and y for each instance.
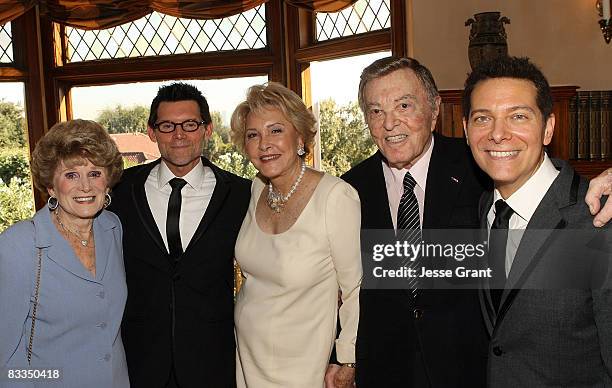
(368, 179)
(59, 250)
(444, 178)
(382, 219)
(486, 302)
(373, 191)
(546, 219)
(529, 253)
(143, 210)
(445, 175)
(222, 190)
(103, 234)
(441, 189)
(141, 204)
(484, 295)
(440, 192)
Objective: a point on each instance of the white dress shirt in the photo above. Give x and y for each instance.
(394, 180)
(196, 196)
(524, 202)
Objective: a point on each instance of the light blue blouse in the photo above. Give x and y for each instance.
(78, 319)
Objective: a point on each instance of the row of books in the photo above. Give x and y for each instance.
(590, 131)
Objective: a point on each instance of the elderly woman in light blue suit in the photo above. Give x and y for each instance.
(62, 280)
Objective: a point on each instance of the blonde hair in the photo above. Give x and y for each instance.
(70, 142)
(273, 94)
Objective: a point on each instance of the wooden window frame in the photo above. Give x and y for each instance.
(207, 65)
(40, 63)
(27, 68)
(301, 47)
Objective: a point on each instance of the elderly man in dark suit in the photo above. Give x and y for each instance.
(414, 336)
(548, 307)
(181, 215)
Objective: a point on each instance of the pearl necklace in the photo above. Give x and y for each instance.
(84, 242)
(276, 200)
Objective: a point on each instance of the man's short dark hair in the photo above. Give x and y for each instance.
(179, 91)
(509, 67)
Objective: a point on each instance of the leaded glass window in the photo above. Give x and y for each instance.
(6, 44)
(159, 34)
(363, 16)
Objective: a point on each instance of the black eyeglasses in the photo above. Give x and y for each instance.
(170, 126)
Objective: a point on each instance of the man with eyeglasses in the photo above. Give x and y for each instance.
(181, 216)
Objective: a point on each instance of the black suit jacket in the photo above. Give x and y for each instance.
(180, 314)
(554, 325)
(442, 336)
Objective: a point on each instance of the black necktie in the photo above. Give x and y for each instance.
(497, 249)
(172, 220)
(409, 226)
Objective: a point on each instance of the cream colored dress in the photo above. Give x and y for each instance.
(287, 307)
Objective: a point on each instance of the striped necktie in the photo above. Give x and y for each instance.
(409, 227)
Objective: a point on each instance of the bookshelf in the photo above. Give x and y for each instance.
(450, 124)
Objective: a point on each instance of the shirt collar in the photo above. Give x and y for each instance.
(526, 199)
(194, 178)
(418, 170)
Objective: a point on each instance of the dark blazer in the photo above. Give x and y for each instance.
(181, 314)
(554, 325)
(440, 341)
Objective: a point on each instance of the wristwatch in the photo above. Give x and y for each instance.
(349, 364)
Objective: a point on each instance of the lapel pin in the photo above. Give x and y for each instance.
(454, 179)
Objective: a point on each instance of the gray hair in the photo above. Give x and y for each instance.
(388, 65)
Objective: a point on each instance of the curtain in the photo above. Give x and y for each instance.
(99, 14)
(11, 9)
(322, 5)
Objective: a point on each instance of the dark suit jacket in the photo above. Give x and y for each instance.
(442, 336)
(181, 314)
(554, 326)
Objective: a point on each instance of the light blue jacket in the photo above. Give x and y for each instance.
(78, 319)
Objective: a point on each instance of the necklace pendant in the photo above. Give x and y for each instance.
(277, 207)
(275, 202)
(77, 235)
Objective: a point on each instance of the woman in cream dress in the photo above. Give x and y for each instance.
(298, 245)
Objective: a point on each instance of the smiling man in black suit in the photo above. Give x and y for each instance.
(180, 215)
